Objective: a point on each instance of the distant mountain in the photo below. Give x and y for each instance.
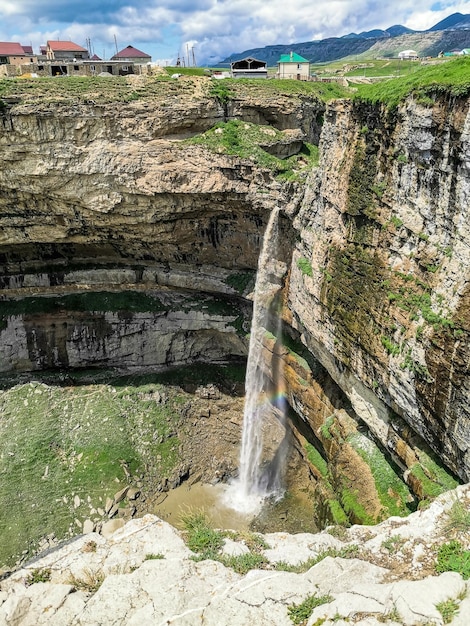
(451, 33)
(398, 29)
(371, 34)
(456, 20)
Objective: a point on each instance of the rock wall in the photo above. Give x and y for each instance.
(101, 200)
(379, 281)
(97, 199)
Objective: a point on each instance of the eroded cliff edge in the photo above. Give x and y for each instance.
(103, 202)
(384, 228)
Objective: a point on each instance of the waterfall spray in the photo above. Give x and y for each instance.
(255, 482)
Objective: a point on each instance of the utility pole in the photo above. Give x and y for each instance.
(115, 44)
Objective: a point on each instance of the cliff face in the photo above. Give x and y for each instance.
(99, 199)
(384, 303)
(122, 245)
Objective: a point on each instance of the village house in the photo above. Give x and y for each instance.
(12, 53)
(292, 65)
(66, 58)
(65, 51)
(249, 68)
(131, 55)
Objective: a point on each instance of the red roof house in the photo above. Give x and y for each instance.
(12, 53)
(11, 48)
(65, 51)
(131, 54)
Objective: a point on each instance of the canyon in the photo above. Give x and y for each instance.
(127, 245)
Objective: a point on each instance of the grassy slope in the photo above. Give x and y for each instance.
(79, 437)
(451, 77)
(103, 90)
(60, 442)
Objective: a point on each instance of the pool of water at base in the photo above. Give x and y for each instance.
(292, 513)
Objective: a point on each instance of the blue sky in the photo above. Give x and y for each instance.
(212, 28)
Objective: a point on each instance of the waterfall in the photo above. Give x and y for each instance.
(256, 482)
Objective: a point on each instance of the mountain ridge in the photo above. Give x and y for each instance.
(450, 33)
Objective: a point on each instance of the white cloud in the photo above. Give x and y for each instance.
(216, 28)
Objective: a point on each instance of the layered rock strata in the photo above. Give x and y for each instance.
(384, 229)
(98, 201)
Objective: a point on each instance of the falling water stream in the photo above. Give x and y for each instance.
(264, 435)
(258, 480)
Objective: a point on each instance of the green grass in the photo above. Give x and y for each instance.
(244, 140)
(305, 266)
(316, 459)
(299, 613)
(434, 478)
(348, 552)
(452, 557)
(201, 538)
(57, 443)
(448, 609)
(243, 563)
(84, 89)
(186, 71)
(415, 297)
(384, 68)
(450, 77)
(39, 576)
(293, 89)
(393, 493)
(98, 90)
(458, 519)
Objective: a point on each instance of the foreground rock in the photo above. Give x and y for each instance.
(145, 574)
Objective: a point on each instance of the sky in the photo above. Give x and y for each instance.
(207, 31)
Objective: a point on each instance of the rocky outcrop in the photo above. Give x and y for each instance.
(382, 305)
(175, 331)
(100, 199)
(144, 573)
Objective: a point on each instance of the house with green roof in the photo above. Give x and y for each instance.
(294, 66)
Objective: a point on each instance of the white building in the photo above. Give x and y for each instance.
(408, 55)
(294, 66)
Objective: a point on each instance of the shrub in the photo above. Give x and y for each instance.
(451, 557)
(304, 266)
(299, 613)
